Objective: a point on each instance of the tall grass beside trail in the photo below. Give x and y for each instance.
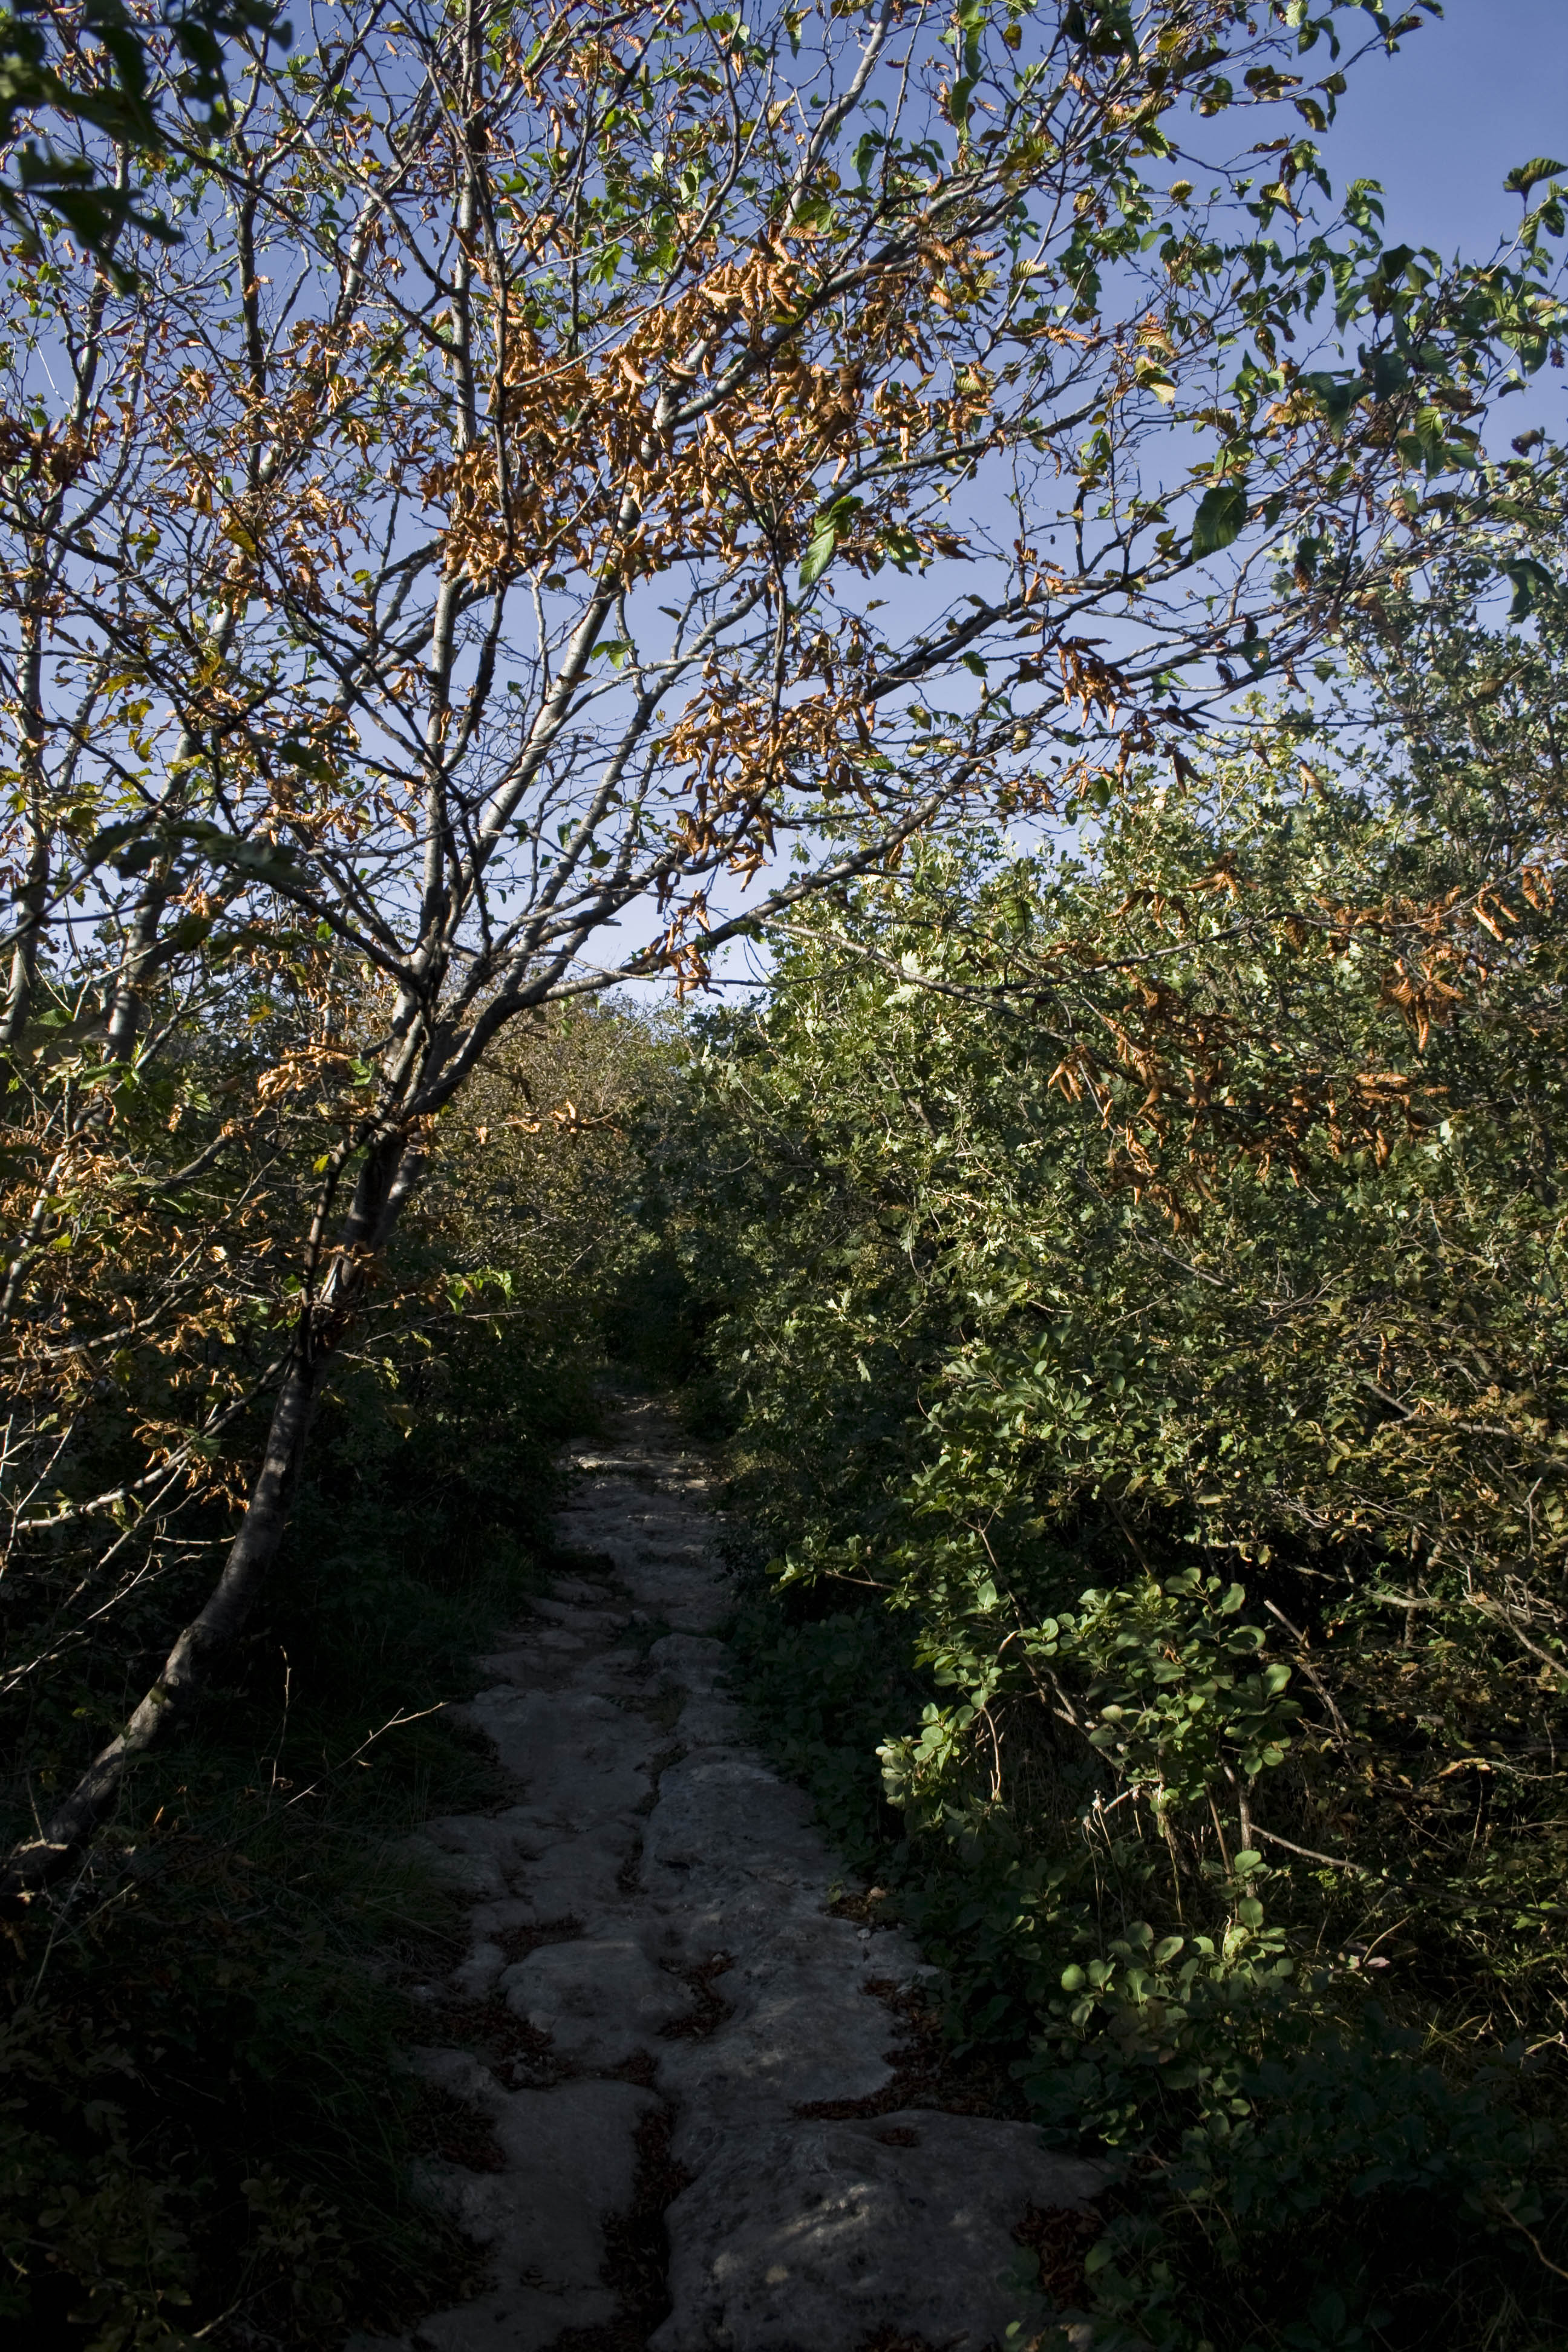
(1131, 1283)
(208, 2127)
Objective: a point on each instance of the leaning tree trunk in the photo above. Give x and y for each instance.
(208, 1636)
(386, 1181)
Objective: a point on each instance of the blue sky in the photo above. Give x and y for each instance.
(1441, 123)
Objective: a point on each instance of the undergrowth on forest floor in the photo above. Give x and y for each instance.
(1302, 2166)
(208, 2125)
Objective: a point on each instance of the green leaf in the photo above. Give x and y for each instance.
(1530, 580)
(1362, 205)
(1336, 395)
(1523, 177)
(818, 555)
(831, 525)
(1220, 519)
(113, 840)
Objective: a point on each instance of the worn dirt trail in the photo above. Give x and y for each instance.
(691, 2128)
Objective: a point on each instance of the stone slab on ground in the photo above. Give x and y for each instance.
(600, 2001)
(814, 2236)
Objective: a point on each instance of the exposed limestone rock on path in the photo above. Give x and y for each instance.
(667, 1998)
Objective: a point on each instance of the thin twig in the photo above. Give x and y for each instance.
(1310, 1854)
(393, 1723)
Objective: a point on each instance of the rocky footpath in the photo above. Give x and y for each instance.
(682, 2085)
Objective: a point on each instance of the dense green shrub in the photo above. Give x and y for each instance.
(1138, 1279)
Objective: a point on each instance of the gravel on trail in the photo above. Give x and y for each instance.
(692, 2130)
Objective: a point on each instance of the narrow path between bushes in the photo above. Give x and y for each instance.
(698, 2108)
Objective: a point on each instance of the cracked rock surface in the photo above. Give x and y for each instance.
(653, 1913)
